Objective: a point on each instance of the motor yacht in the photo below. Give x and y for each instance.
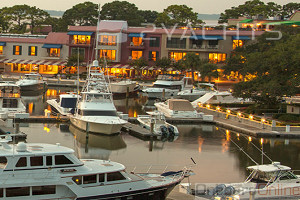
(48, 171)
(267, 181)
(95, 111)
(123, 87)
(65, 104)
(195, 93)
(32, 82)
(11, 103)
(168, 85)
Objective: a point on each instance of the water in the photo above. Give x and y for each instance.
(217, 158)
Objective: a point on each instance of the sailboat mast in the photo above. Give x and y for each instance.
(97, 32)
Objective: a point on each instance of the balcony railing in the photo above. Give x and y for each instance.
(80, 42)
(204, 47)
(136, 46)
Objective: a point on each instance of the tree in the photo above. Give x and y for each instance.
(122, 10)
(164, 63)
(180, 15)
(82, 14)
(36, 17)
(208, 70)
(191, 61)
(139, 63)
(4, 25)
(289, 9)
(273, 66)
(149, 16)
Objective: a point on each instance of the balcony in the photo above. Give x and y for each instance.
(136, 46)
(205, 47)
(53, 56)
(80, 43)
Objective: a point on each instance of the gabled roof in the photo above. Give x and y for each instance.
(112, 26)
(57, 38)
(82, 28)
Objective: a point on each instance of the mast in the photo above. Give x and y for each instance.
(97, 31)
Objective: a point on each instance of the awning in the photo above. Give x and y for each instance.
(246, 21)
(207, 37)
(241, 38)
(283, 23)
(3, 60)
(80, 33)
(34, 62)
(2, 43)
(55, 46)
(136, 34)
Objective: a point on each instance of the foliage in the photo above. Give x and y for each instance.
(82, 14)
(149, 16)
(287, 117)
(36, 18)
(139, 63)
(73, 60)
(208, 70)
(181, 15)
(274, 64)
(122, 10)
(289, 9)
(163, 62)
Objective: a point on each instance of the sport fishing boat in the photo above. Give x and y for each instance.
(168, 85)
(47, 171)
(123, 87)
(32, 82)
(194, 93)
(268, 181)
(65, 104)
(95, 111)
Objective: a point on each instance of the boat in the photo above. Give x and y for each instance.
(168, 85)
(160, 126)
(195, 93)
(65, 104)
(124, 87)
(51, 171)
(180, 108)
(266, 181)
(32, 82)
(95, 111)
(11, 104)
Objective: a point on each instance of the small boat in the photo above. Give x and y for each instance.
(195, 93)
(167, 86)
(11, 103)
(160, 126)
(123, 87)
(95, 111)
(32, 82)
(65, 104)
(47, 171)
(177, 108)
(268, 181)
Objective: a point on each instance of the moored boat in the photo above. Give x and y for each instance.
(32, 82)
(65, 104)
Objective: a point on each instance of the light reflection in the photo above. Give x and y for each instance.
(30, 108)
(250, 139)
(200, 142)
(227, 135)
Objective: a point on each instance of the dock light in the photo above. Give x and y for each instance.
(228, 111)
(218, 108)
(199, 104)
(238, 134)
(263, 120)
(208, 106)
(261, 140)
(230, 90)
(251, 117)
(250, 139)
(239, 114)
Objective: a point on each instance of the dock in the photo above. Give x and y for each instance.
(138, 131)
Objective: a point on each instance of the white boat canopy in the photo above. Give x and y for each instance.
(275, 166)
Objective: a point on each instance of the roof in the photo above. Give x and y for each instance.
(283, 23)
(57, 38)
(180, 105)
(275, 166)
(246, 21)
(112, 26)
(296, 16)
(83, 28)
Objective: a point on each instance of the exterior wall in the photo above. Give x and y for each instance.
(293, 109)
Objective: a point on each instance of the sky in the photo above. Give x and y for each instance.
(200, 6)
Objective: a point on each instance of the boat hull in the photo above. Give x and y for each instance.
(33, 87)
(102, 128)
(123, 89)
(161, 95)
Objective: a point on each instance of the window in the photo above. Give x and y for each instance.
(115, 176)
(136, 55)
(109, 40)
(154, 42)
(43, 190)
(89, 179)
(17, 191)
(1, 192)
(3, 162)
(237, 43)
(101, 178)
(176, 56)
(17, 50)
(32, 50)
(136, 41)
(74, 51)
(97, 113)
(81, 39)
(54, 52)
(108, 54)
(196, 44)
(24, 68)
(22, 162)
(153, 55)
(217, 57)
(1, 50)
(36, 161)
(77, 180)
(213, 42)
(62, 160)
(179, 43)
(48, 160)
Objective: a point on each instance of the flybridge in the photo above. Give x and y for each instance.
(23, 36)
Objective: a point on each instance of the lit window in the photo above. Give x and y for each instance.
(17, 50)
(108, 54)
(137, 41)
(153, 55)
(237, 43)
(32, 50)
(217, 57)
(81, 39)
(136, 55)
(1, 50)
(54, 52)
(109, 40)
(176, 56)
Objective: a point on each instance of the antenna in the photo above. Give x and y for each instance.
(97, 30)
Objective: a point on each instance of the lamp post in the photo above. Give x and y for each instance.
(263, 120)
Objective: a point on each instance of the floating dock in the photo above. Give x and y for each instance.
(139, 132)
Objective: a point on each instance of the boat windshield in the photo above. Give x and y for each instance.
(287, 175)
(172, 87)
(9, 91)
(31, 77)
(97, 112)
(263, 177)
(170, 77)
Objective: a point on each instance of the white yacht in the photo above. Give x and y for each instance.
(168, 85)
(124, 86)
(32, 82)
(177, 108)
(160, 126)
(195, 93)
(95, 110)
(46, 171)
(268, 181)
(65, 104)
(11, 103)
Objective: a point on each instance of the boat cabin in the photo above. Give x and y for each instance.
(270, 173)
(170, 77)
(68, 100)
(33, 76)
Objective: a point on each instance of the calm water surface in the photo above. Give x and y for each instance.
(217, 158)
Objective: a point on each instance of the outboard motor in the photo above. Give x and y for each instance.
(229, 190)
(164, 131)
(219, 189)
(171, 130)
